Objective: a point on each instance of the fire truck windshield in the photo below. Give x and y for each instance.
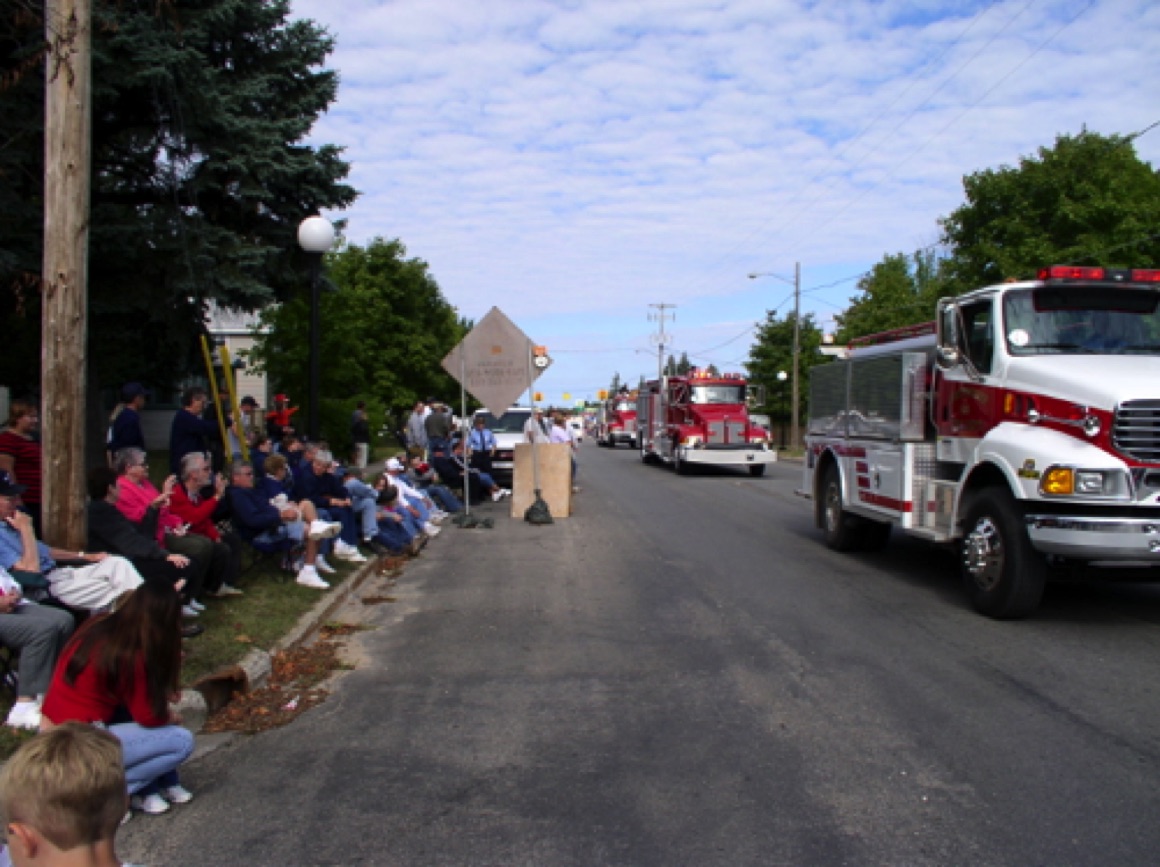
(1078, 320)
(718, 394)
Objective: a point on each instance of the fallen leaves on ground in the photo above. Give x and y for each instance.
(291, 689)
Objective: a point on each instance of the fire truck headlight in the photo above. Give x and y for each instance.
(692, 442)
(1067, 481)
(1058, 482)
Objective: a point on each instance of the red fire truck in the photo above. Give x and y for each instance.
(1022, 425)
(700, 419)
(616, 422)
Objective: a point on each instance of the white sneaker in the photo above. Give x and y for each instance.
(152, 804)
(435, 519)
(322, 566)
(196, 606)
(188, 611)
(431, 530)
(308, 577)
(324, 530)
(356, 556)
(507, 492)
(497, 495)
(177, 794)
(25, 715)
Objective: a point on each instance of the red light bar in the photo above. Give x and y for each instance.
(1145, 275)
(1070, 272)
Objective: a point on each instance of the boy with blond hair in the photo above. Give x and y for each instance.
(62, 796)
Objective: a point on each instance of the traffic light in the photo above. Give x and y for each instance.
(538, 396)
(602, 394)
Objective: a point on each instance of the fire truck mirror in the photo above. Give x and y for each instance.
(947, 357)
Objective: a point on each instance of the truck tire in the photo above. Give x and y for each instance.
(681, 468)
(757, 470)
(1004, 576)
(841, 530)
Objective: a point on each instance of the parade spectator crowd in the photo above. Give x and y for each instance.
(96, 635)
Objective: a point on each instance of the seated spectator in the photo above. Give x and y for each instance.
(102, 677)
(323, 488)
(37, 633)
(111, 531)
(421, 506)
(399, 532)
(452, 469)
(93, 585)
(421, 477)
(363, 499)
(193, 503)
(148, 509)
(260, 449)
(268, 520)
(62, 798)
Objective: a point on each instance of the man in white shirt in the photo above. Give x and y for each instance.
(536, 429)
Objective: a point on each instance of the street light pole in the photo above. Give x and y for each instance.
(796, 282)
(316, 237)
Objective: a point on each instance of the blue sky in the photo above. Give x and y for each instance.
(574, 162)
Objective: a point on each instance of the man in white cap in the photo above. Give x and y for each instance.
(415, 501)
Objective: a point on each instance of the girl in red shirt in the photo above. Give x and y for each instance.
(101, 677)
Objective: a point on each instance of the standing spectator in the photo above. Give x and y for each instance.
(189, 502)
(278, 419)
(536, 430)
(20, 454)
(360, 435)
(190, 432)
(37, 633)
(62, 798)
(125, 431)
(416, 430)
(481, 445)
(252, 422)
(102, 671)
(438, 428)
(561, 434)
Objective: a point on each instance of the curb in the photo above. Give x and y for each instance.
(257, 663)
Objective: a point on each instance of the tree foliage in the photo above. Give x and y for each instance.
(900, 290)
(200, 172)
(1089, 200)
(772, 353)
(384, 332)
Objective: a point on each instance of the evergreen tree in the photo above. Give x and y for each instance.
(200, 174)
(772, 352)
(898, 291)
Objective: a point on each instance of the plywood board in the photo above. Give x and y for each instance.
(555, 478)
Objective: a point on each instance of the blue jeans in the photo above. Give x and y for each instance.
(395, 535)
(151, 753)
(446, 500)
(345, 516)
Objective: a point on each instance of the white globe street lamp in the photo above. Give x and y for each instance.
(316, 237)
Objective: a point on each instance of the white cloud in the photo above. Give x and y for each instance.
(574, 162)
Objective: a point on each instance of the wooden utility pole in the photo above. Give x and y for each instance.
(64, 328)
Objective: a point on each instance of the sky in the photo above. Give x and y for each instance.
(578, 163)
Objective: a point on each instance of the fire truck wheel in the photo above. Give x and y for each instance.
(757, 471)
(1003, 574)
(842, 531)
(681, 468)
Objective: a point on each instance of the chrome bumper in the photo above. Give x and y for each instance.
(1083, 538)
(728, 457)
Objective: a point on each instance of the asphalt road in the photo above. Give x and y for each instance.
(681, 674)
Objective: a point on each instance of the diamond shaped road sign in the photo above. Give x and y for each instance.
(492, 361)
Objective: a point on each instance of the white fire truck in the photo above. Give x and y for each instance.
(700, 419)
(1023, 425)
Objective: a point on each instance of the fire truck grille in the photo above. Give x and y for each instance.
(630, 425)
(1136, 431)
(726, 432)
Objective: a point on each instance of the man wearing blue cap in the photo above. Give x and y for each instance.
(126, 430)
